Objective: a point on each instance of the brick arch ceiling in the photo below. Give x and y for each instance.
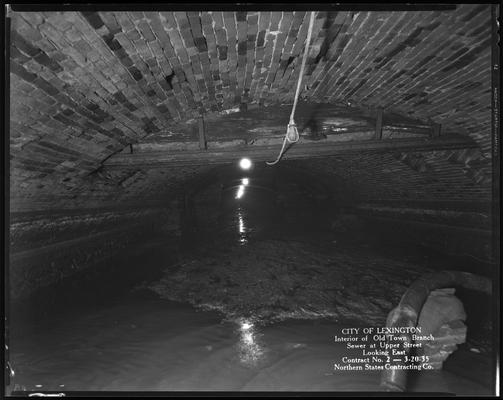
(84, 85)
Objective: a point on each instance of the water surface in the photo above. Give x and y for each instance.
(143, 344)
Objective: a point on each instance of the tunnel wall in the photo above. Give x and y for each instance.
(452, 233)
(46, 248)
(434, 176)
(441, 200)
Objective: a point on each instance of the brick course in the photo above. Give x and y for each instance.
(84, 85)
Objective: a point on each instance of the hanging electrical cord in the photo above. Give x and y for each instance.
(292, 134)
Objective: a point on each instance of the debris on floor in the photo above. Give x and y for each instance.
(280, 279)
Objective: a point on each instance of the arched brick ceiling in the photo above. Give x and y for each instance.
(85, 85)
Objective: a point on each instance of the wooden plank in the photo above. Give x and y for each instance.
(379, 118)
(300, 150)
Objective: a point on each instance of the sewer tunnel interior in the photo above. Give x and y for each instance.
(142, 257)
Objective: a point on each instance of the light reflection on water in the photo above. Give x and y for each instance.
(153, 345)
(243, 239)
(240, 192)
(251, 351)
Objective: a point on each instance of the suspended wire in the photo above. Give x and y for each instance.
(285, 139)
(292, 135)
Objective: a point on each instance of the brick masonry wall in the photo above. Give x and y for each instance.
(30, 231)
(46, 248)
(398, 176)
(145, 187)
(85, 85)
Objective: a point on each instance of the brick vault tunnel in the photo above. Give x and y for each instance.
(144, 254)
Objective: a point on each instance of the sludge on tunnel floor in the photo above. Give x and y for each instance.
(279, 279)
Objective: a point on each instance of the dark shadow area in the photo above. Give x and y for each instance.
(96, 287)
(265, 267)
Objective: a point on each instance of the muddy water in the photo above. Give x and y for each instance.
(134, 341)
(155, 345)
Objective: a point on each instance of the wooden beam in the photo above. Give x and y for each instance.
(300, 150)
(202, 134)
(379, 118)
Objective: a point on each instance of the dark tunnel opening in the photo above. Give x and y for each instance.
(263, 203)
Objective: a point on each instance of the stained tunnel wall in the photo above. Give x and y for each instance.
(83, 86)
(75, 101)
(418, 206)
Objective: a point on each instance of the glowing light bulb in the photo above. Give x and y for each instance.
(245, 163)
(245, 181)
